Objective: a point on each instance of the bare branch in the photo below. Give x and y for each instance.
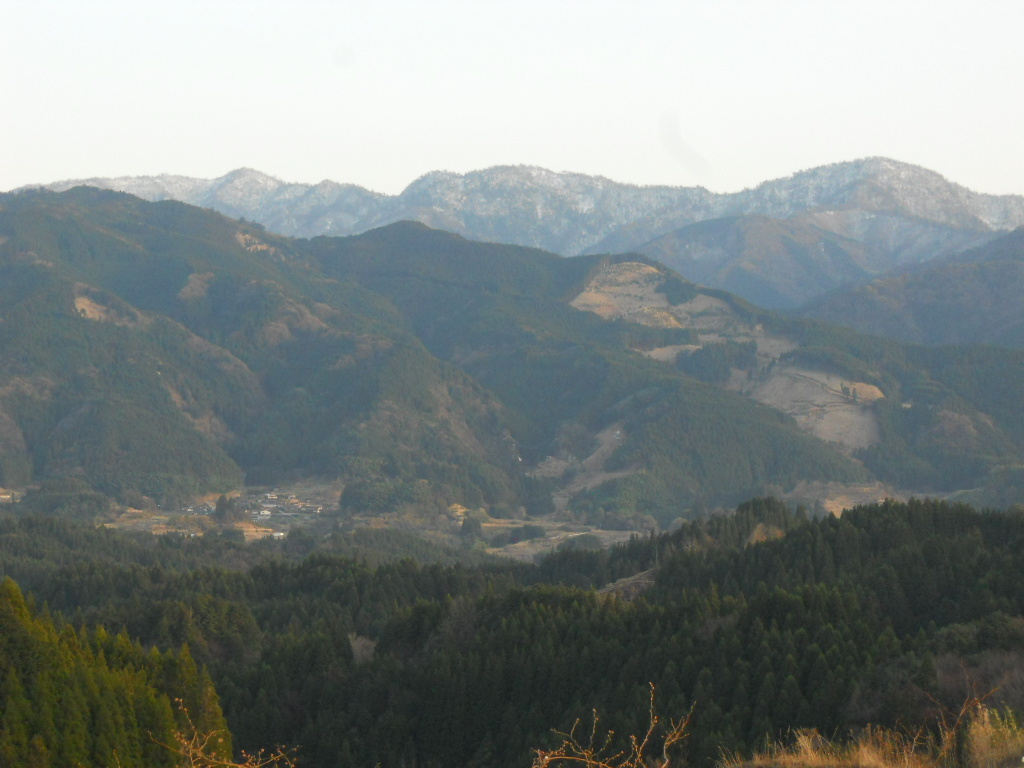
(597, 751)
(198, 750)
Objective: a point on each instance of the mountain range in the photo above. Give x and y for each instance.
(841, 224)
(160, 350)
(972, 297)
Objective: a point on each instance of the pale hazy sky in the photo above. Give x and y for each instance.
(719, 93)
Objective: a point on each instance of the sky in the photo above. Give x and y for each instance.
(723, 94)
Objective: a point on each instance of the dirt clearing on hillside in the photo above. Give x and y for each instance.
(828, 406)
(837, 497)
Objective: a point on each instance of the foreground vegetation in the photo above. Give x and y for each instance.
(974, 736)
(763, 622)
(88, 697)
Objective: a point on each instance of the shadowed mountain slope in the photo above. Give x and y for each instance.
(971, 298)
(878, 212)
(158, 349)
(771, 262)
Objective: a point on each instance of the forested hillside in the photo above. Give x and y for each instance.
(971, 297)
(763, 621)
(87, 697)
(154, 351)
(164, 350)
(775, 263)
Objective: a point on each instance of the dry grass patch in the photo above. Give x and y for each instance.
(874, 748)
(977, 737)
(994, 739)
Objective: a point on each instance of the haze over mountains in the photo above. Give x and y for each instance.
(164, 350)
(845, 223)
(154, 351)
(973, 297)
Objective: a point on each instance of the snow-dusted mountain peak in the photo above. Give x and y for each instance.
(572, 213)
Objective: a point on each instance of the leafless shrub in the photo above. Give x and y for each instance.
(597, 751)
(200, 750)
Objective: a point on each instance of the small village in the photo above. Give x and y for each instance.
(271, 512)
(252, 513)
